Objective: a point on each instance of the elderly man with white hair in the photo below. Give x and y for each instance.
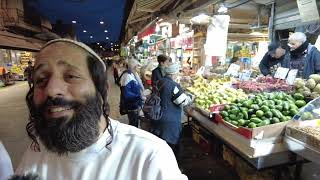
(304, 56)
(173, 99)
(131, 92)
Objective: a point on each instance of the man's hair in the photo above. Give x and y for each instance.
(162, 58)
(100, 80)
(29, 62)
(298, 36)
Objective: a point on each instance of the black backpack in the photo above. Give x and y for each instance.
(152, 106)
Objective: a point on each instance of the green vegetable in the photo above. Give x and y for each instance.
(235, 111)
(293, 112)
(241, 122)
(224, 114)
(255, 107)
(259, 113)
(298, 96)
(255, 120)
(234, 123)
(286, 113)
(279, 107)
(232, 117)
(300, 103)
(265, 108)
(275, 120)
(252, 125)
(286, 106)
(245, 115)
(269, 114)
(227, 119)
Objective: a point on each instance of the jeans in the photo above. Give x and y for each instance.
(133, 117)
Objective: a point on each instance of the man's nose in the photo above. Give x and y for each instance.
(56, 87)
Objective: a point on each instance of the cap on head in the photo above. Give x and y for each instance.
(273, 47)
(79, 44)
(173, 68)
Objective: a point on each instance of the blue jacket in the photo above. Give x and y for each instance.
(312, 62)
(130, 91)
(172, 97)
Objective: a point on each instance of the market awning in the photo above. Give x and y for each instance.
(16, 42)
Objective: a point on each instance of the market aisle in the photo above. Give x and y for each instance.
(13, 120)
(114, 99)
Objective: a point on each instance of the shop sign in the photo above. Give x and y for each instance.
(147, 32)
(308, 10)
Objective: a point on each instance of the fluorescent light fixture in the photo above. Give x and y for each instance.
(201, 19)
(74, 22)
(84, 31)
(105, 31)
(91, 37)
(107, 37)
(101, 22)
(257, 33)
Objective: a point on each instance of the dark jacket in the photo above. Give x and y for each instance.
(172, 100)
(267, 62)
(312, 62)
(156, 75)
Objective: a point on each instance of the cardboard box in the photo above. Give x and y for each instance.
(264, 132)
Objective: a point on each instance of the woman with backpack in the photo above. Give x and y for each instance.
(173, 98)
(131, 98)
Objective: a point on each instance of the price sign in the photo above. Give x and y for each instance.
(292, 76)
(245, 75)
(281, 73)
(233, 70)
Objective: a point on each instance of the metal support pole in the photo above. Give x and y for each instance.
(271, 23)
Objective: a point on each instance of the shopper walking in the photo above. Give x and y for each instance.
(28, 72)
(173, 99)
(158, 73)
(131, 93)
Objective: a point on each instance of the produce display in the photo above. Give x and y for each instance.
(265, 84)
(214, 93)
(309, 88)
(307, 134)
(263, 109)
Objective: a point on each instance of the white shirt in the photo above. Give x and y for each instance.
(134, 155)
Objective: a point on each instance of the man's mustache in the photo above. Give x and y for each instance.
(58, 102)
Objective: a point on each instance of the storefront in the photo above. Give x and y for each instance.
(15, 53)
(238, 114)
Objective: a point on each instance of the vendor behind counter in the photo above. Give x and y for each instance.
(274, 58)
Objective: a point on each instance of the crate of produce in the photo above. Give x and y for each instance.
(272, 130)
(263, 115)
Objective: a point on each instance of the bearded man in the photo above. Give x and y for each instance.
(73, 137)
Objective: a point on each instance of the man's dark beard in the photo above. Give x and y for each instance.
(62, 135)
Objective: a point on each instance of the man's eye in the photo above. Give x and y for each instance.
(70, 76)
(40, 81)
